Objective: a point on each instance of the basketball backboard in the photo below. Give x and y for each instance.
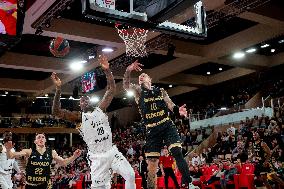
(149, 14)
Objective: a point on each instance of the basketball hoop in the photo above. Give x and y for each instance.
(134, 39)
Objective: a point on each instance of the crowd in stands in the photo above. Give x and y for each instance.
(34, 122)
(237, 93)
(234, 148)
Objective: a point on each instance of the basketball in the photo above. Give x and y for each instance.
(59, 47)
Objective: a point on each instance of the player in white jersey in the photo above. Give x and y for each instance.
(96, 132)
(6, 168)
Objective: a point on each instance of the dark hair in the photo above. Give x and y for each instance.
(7, 136)
(39, 134)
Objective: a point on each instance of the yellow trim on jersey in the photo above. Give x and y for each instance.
(152, 154)
(269, 175)
(158, 123)
(175, 145)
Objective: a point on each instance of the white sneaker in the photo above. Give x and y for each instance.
(191, 186)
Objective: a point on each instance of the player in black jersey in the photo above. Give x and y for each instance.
(39, 162)
(264, 168)
(154, 106)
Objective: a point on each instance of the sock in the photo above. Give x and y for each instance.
(181, 164)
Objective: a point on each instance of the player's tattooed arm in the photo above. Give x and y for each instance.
(267, 152)
(167, 99)
(111, 88)
(56, 107)
(127, 85)
(178, 111)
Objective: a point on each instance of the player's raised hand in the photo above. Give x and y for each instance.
(104, 62)
(56, 80)
(183, 111)
(77, 153)
(135, 66)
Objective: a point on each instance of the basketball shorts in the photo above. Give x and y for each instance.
(260, 169)
(44, 185)
(6, 181)
(158, 136)
(104, 164)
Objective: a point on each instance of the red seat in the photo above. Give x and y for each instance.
(247, 168)
(208, 172)
(79, 184)
(160, 182)
(138, 182)
(246, 177)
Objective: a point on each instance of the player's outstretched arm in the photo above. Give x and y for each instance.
(127, 85)
(12, 155)
(56, 107)
(175, 109)
(111, 88)
(267, 152)
(66, 161)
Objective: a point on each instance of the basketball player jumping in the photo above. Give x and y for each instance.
(96, 132)
(6, 166)
(154, 105)
(264, 167)
(39, 162)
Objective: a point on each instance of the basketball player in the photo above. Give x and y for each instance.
(264, 168)
(6, 166)
(39, 162)
(154, 106)
(96, 132)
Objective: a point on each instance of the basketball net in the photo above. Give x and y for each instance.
(134, 39)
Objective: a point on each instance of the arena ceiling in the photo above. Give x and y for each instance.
(27, 66)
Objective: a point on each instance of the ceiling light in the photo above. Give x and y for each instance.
(77, 66)
(95, 99)
(252, 50)
(223, 108)
(272, 50)
(6, 92)
(281, 41)
(107, 49)
(71, 98)
(239, 55)
(41, 97)
(130, 93)
(124, 98)
(33, 102)
(170, 86)
(208, 73)
(3, 95)
(51, 138)
(264, 46)
(46, 95)
(220, 69)
(91, 57)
